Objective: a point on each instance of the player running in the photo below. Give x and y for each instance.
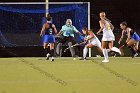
(94, 42)
(133, 38)
(108, 36)
(49, 30)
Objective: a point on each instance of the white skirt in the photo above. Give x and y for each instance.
(108, 36)
(108, 39)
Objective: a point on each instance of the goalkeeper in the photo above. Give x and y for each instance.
(67, 31)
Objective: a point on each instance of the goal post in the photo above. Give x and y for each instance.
(27, 18)
(89, 24)
(47, 7)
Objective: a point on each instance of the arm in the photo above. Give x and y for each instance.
(60, 32)
(101, 27)
(121, 37)
(42, 30)
(91, 35)
(80, 43)
(112, 27)
(129, 36)
(85, 40)
(79, 33)
(76, 31)
(55, 30)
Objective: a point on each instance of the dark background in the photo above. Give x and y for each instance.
(116, 10)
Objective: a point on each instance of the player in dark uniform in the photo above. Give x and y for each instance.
(133, 38)
(49, 30)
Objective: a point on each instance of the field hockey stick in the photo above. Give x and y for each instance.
(74, 46)
(70, 47)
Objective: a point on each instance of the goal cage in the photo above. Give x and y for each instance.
(21, 22)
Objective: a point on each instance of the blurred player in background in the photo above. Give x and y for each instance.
(133, 38)
(49, 30)
(108, 36)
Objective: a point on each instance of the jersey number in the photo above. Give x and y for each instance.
(51, 31)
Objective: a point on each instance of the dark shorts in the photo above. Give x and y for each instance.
(68, 39)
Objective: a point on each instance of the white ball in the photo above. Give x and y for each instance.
(74, 58)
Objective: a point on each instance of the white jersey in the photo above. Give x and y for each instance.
(107, 32)
(95, 41)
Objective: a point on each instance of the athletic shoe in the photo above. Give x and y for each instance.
(52, 59)
(105, 61)
(47, 56)
(136, 54)
(83, 58)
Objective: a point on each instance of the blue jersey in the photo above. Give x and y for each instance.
(49, 30)
(135, 36)
(49, 33)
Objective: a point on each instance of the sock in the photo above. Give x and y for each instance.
(138, 51)
(105, 54)
(85, 50)
(116, 49)
(52, 52)
(46, 50)
(108, 50)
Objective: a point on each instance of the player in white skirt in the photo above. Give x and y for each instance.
(108, 36)
(94, 42)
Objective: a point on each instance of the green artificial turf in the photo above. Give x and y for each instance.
(65, 75)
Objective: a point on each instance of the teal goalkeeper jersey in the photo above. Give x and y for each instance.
(68, 30)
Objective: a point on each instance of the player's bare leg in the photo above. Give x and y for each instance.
(52, 51)
(130, 44)
(112, 48)
(85, 50)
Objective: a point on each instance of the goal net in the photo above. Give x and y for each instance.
(20, 23)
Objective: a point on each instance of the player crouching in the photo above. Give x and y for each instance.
(94, 42)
